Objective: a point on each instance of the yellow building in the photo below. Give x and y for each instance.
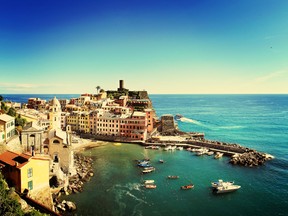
(23, 171)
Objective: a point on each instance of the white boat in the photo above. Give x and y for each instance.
(227, 188)
(148, 170)
(220, 183)
(167, 148)
(218, 155)
(148, 181)
(202, 151)
(150, 186)
(179, 148)
(210, 153)
(173, 147)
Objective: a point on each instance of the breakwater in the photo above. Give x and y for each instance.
(239, 155)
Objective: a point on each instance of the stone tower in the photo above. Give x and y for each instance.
(55, 114)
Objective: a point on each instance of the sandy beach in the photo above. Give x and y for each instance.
(84, 144)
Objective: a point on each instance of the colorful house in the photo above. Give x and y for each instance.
(7, 123)
(23, 171)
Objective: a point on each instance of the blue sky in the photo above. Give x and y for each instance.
(163, 46)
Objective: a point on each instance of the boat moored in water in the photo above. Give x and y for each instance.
(227, 188)
(150, 186)
(186, 187)
(220, 183)
(218, 155)
(149, 181)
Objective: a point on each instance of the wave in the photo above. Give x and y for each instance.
(184, 119)
(232, 127)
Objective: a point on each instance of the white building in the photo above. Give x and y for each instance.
(7, 123)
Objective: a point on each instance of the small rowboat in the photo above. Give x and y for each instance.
(150, 186)
(186, 187)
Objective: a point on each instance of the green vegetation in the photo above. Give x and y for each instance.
(9, 206)
(12, 112)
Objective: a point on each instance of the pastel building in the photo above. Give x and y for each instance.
(23, 171)
(7, 123)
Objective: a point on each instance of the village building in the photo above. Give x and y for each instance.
(7, 126)
(24, 171)
(31, 138)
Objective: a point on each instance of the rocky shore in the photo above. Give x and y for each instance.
(84, 170)
(251, 159)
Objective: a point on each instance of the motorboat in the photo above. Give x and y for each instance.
(167, 148)
(161, 161)
(178, 116)
(220, 183)
(186, 187)
(202, 151)
(179, 148)
(227, 188)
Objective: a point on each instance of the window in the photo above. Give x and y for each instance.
(30, 185)
(30, 172)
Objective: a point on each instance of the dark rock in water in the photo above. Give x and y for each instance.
(250, 158)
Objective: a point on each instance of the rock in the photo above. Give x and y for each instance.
(70, 206)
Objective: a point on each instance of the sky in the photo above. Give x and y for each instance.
(162, 46)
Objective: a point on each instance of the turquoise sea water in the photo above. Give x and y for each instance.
(256, 121)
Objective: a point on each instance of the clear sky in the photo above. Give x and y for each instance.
(162, 46)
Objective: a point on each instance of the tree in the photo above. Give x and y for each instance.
(11, 112)
(1, 98)
(4, 107)
(98, 88)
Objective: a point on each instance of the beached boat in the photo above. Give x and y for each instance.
(227, 188)
(150, 186)
(148, 181)
(220, 183)
(218, 155)
(172, 177)
(186, 187)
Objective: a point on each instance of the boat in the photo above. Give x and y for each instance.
(188, 149)
(186, 187)
(148, 181)
(172, 177)
(155, 147)
(161, 161)
(210, 153)
(218, 155)
(148, 170)
(167, 148)
(173, 148)
(227, 188)
(220, 183)
(144, 165)
(202, 151)
(150, 186)
(179, 148)
(178, 116)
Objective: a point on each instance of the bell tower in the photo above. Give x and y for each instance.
(55, 114)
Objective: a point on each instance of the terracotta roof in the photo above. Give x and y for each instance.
(14, 159)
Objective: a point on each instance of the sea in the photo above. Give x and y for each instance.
(256, 121)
